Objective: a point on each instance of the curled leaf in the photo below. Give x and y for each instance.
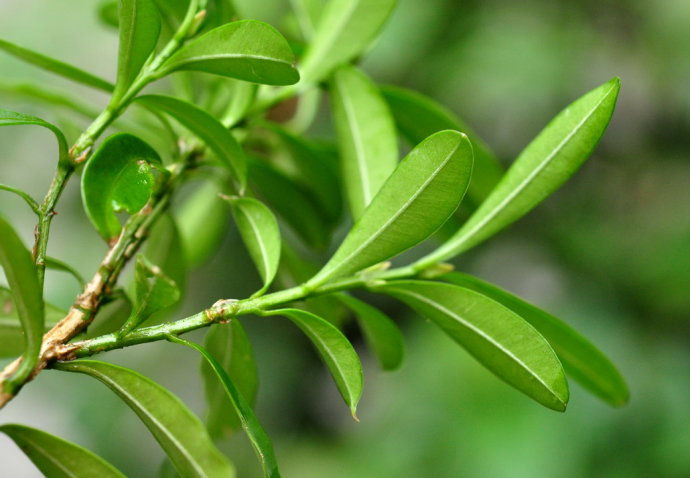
(118, 177)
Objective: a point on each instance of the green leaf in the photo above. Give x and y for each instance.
(546, 163)
(10, 118)
(242, 95)
(11, 331)
(111, 316)
(335, 350)
(260, 234)
(414, 202)
(118, 177)
(155, 291)
(35, 207)
(257, 436)
(55, 66)
(581, 359)
(108, 13)
(497, 337)
(346, 28)
(418, 116)
(247, 50)
(27, 295)
(201, 234)
(58, 458)
(179, 432)
(313, 170)
(58, 265)
(382, 334)
(230, 345)
(140, 25)
(164, 248)
(366, 136)
(218, 138)
(291, 202)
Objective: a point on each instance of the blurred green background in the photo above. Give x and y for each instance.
(609, 253)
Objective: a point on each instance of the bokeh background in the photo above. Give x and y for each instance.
(609, 253)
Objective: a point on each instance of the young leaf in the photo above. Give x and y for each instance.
(154, 291)
(291, 202)
(346, 28)
(414, 202)
(11, 331)
(247, 50)
(366, 136)
(140, 25)
(59, 458)
(418, 116)
(581, 359)
(217, 137)
(56, 66)
(335, 350)
(257, 436)
(179, 432)
(380, 332)
(201, 234)
(10, 118)
(230, 345)
(546, 163)
(497, 337)
(27, 296)
(260, 234)
(118, 177)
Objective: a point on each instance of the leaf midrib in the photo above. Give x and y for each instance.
(131, 399)
(525, 183)
(395, 216)
(479, 332)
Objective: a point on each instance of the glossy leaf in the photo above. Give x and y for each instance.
(415, 201)
(58, 458)
(345, 30)
(201, 234)
(140, 25)
(417, 116)
(366, 136)
(259, 231)
(291, 202)
(10, 118)
(230, 346)
(335, 350)
(257, 436)
(218, 138)
(382, 334)
(179, 432)
(27, 295)
(247, 50)
(581, 359)
(546, 163)
(155, 291)
(11, 331)
(55, 66)
(118, 177)
(497, 337)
